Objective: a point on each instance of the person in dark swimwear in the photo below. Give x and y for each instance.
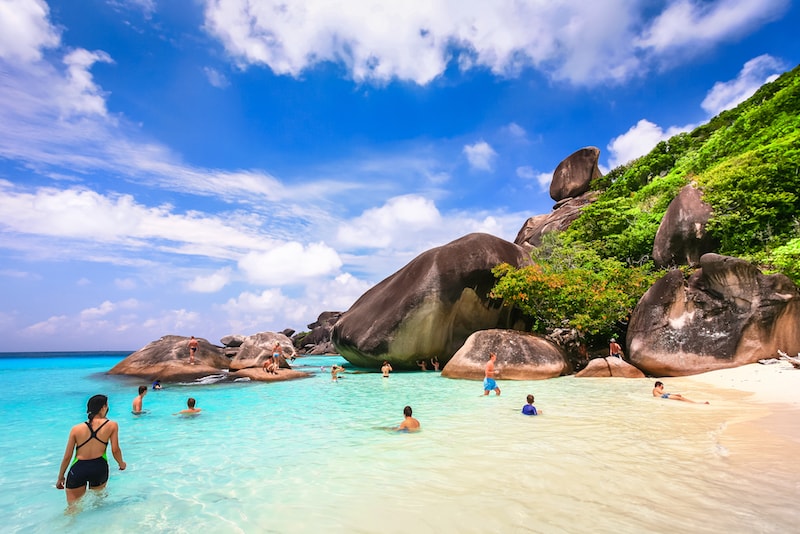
(193, 343)
(88, 442)
(658, 391)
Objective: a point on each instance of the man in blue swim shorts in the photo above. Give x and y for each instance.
(489, 383)
(658, 391)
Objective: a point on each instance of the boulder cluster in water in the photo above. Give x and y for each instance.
(439, 307)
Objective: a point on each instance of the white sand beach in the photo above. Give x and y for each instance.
(774, 383)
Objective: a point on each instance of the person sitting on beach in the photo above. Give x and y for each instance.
(88, 442)
(409, 424)
(658, 391)
(530, 409)
(488, 380)
(190, 409)
(435, 363)
(139, 400)
(385, 368)
(157, 384)
(335, 371)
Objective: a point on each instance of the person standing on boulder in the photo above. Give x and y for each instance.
(614, 350)
(489, 383)
(192, 349)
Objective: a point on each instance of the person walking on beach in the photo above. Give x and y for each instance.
(658, 391)
(190, 409)
(385, 368)
(489, 383)
(88, 442)
(614, 350)
(192, 349)
(139, 400)
(530, 409)
(409, 424)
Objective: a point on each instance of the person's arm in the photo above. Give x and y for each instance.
(71, 442)
(115, 450)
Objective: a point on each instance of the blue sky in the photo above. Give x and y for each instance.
(209, 167)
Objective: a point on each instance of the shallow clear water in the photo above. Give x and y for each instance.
(311, 456)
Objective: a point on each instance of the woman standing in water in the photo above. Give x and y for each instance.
(88, 441)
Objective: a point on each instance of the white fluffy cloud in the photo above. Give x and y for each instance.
(289, 263)
(390, 225)
(640, 140)
(695, 24)
(754, 74)
(380, 40)
(211, 283)
(542, 179)
(480, 155)
(25, 30)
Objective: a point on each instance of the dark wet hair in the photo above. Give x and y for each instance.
(95, 404)
(659, 383)
(407, 411)
(530, 399)
(142, 389)
(190, 402)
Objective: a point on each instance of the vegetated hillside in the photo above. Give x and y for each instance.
(747, 163)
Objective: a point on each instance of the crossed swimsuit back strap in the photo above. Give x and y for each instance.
(93, 433)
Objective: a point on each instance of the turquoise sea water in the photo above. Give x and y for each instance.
(312, 456)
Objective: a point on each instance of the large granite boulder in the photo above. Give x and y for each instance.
(256, 349)
(429, 307)
(727, 314)
(558, 220)
(682, 238)
(167, 359)
(520, 356)
(609, 367)
(318, 339)
(573, 175)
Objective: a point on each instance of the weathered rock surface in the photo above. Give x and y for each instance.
(609, 367)
(232, 340)
(256, 349)
(167, 359)
(429, 307)
(520, 356)
(259, 375)
(557, 220)
(318, 339)
(682, 238)
(573, 175)
(727, 314)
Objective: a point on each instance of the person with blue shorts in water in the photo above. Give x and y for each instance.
(489, 383)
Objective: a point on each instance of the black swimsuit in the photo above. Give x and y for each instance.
(95, 471)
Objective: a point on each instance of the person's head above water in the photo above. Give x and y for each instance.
(190, 402)
(407, 411)
(95, 404)
(658, 384)
(530, 399)
(142, 389)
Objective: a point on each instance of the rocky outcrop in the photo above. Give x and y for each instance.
(260, 375)
(609, 367)
(167, 359)
(318, 339)
(429, 307)
(727, 314)
(558, 220)
(520, 356)
(573, 175)
(682, 238)
(256, 349)
(232, 341)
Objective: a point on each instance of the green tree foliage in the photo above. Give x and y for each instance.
(745, 160)
(573, 286)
